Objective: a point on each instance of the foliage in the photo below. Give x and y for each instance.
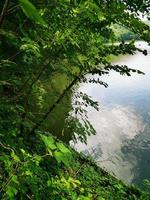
(46, 49)
(123, 34)
(58, 173)
(60, 40)
(31, 12)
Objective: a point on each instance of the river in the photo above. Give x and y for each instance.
(122, 142)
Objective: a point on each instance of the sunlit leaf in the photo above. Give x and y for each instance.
(11, 192)
(61, 157)
(31, 12)
(62, 148)
(48, 141)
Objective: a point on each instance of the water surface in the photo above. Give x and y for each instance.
(122, 142)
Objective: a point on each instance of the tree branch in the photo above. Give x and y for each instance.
(52, 107)
(4, 10)
(23, 116)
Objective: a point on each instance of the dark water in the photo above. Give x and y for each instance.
(122, 142)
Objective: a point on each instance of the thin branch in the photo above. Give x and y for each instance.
(4, 10)
(6, 147)
(11, 10)
(40, 73)
(51, 108)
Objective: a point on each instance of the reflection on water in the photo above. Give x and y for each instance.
(122, 142)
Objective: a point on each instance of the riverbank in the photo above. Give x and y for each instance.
(60, 173)
(101, 185)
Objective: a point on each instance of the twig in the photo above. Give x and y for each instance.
(4, 10)
(51, 108)
(6, 147)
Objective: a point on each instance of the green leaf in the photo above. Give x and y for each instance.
(11, 192)
(49, 183)
(60, 157)
(48, 141)
(29, 173)
(31, 12)
(7, 161)
(62, 148)
(15, 179)
(15, 157)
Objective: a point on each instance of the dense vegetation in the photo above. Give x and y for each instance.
(44, 53)
(123, 34)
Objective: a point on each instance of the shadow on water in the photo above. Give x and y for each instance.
(122, 142)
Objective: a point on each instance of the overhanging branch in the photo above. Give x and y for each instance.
(52, 107)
